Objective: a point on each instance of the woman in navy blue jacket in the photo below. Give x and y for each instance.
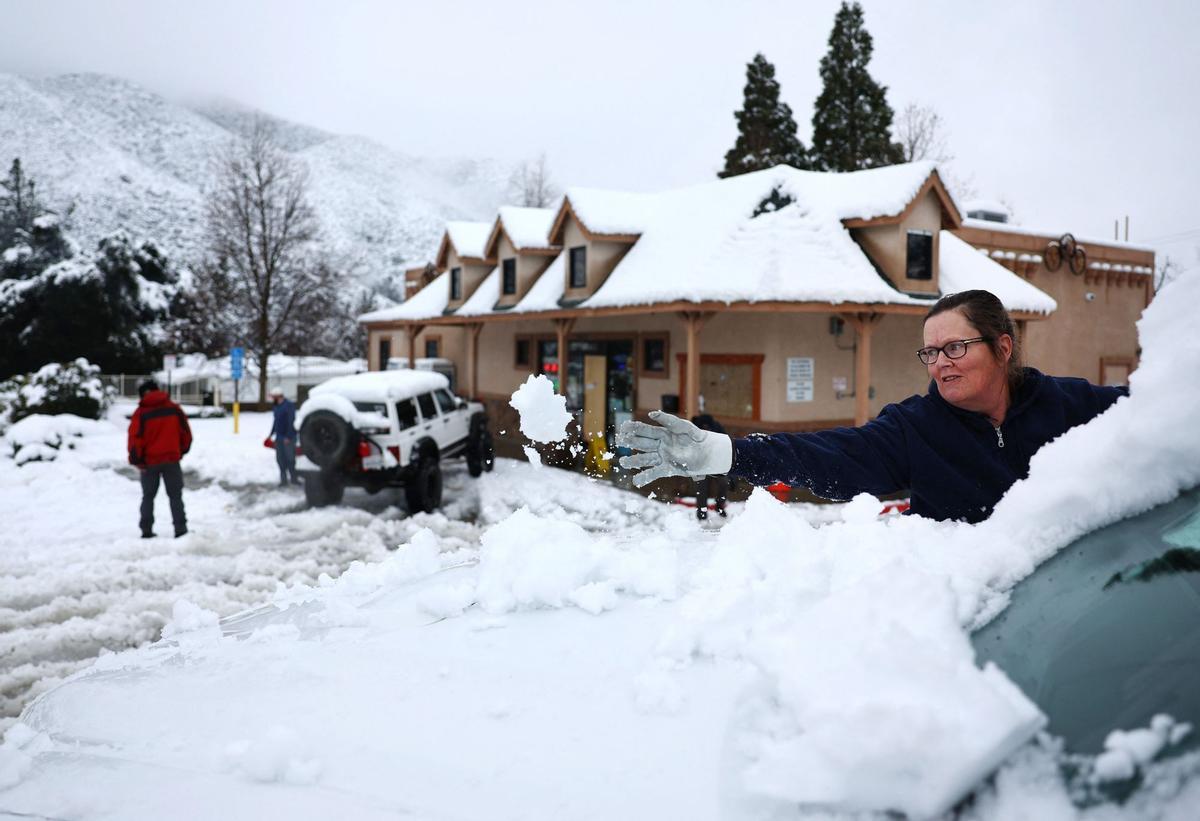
(956, 449)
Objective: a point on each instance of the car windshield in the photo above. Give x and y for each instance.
(1107, 633)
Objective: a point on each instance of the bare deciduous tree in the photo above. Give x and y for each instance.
(921, 133)
(531, 185)
(1168, 269)
(261, 242)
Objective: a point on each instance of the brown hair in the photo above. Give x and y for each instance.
(987, 314)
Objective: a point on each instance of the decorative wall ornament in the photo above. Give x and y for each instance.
(1065, 249)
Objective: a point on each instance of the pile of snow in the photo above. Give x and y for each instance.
(543, 412)
(778, 662)
(40, 438)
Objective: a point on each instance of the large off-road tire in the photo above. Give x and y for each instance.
(321, 489)
(423, 491)
(479, 446)
(489, 452)
(326, 438)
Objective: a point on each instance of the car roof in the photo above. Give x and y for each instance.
(382, 386)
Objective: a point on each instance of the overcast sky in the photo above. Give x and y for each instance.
(1075, 113)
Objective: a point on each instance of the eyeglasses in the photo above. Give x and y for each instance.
(952, 350)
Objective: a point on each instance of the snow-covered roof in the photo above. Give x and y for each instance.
(527, 228)
(485, 296)
(428, 302)
(198, 366)
(546, 291)
(988, 225)
(469, 238)
(381, 386)
(703, 244)
(962, 268)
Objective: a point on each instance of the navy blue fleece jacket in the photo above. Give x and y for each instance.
(954, 463)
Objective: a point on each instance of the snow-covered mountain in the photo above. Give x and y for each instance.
(129, 158)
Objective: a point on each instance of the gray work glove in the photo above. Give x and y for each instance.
(677, 448)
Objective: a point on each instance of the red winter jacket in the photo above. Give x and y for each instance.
(158, 431)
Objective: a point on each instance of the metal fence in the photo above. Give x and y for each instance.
(192, 392)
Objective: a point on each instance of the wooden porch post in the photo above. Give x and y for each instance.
(413, 332)
(694, 321)
(473, 331)
(562, 328)
(863, 324)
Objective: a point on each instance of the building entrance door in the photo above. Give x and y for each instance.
(595, 383)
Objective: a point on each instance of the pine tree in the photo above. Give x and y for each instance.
(766, 128)
(19, 206)
(852, 119)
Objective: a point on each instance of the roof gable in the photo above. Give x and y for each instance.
(951, 217)
(467, 239)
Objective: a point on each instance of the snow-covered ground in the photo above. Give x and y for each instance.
(76, 578)
(552, 647)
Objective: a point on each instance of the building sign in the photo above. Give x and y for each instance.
(800, 379)
(235, 362)
(169, 362)
(840, 386)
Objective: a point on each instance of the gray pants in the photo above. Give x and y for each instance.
(172, 476)
(285, 455)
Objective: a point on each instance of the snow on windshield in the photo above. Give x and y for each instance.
(658, 668)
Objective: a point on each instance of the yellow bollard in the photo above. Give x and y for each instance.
(236, 409)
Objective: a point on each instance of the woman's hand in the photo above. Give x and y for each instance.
(674, 447)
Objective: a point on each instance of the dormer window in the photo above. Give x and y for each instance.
(456, 283)
(509, 283)
(920, 255)
(579, 267)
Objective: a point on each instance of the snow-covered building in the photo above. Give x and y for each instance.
(199, 380)
(780, 300)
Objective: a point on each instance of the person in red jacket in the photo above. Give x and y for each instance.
(159, 435)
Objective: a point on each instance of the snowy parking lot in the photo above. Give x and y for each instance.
(77, 580)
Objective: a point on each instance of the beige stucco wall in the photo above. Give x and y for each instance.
(472, 276)
(896, 371)
(452, 345)
(1082, 330)
(529, 268)
(888, 244)
(602, 257)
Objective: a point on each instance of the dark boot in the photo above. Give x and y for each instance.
(147, 534)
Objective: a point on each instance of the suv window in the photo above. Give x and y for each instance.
(425, 400)
(445, 400)
(406, 412)
(371, 407)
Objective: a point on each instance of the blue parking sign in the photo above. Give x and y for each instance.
(235, 362)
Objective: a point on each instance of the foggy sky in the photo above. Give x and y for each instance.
(1075, 113)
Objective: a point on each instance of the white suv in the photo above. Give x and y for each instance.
(388, 429)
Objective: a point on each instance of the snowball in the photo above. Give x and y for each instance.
(544, 416)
